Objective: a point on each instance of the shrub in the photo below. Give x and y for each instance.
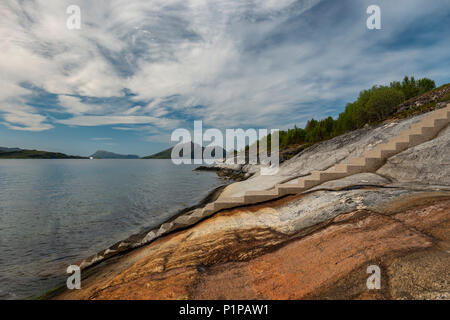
(382, 103)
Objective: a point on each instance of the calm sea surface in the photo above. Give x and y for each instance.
(55, 212)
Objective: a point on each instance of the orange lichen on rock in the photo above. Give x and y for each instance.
(205, 262)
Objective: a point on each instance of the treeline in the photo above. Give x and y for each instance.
(372, 106)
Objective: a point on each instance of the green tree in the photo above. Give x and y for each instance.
(409, 87)
(382, 103)
(425, 85)
(311, 124)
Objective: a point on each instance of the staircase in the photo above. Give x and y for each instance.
(418, 133)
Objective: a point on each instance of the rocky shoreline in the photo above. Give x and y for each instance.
(230, 257)
(321, 240)
(235, 174)
(121, 248)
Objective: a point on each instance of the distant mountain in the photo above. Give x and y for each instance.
(167, 154)
(101, 154)
(16, 153)
(3, 149)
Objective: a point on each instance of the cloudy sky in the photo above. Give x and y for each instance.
(138, 69)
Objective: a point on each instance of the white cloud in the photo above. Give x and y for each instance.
(73, 105)
(25, 121)
(149, 129)
(91, 121)
(166, 48)
(159, 139)
(133, 110)
(246, 63)
(101, 139)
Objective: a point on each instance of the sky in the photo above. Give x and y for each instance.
(138, 69)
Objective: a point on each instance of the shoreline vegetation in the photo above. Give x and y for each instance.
(422, 95)
(373, 106)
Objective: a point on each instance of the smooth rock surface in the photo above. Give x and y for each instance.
(312, 245)
(223, 258)
(321, 156)
(428, 163)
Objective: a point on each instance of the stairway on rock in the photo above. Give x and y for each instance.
(372, 160)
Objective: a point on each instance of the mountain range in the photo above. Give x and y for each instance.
(167, 154)
(101, 154)
(16, 153)
(3, 149)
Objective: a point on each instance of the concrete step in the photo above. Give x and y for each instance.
(230, 199)
(391, 148)
(230, 202)
(260, 196)
(401, 138)
(359, 161)
(400, 145)
(440, 116)
(369, 163)
(414, 132)
(395, 146)
(376, 153)
(427, 123)
(285, 189)
(421, 135)
(359, 164)
(428, 132)
(441, 122)
(308, 182)
(413, 137)
(208, 209)
(328, 175)
(349, 168)
(442, 113)
(448, 111)
(388, 151)
(437, 120)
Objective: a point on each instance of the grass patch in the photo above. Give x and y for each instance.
(445, 98)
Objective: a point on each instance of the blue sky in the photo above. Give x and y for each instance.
(138, 69)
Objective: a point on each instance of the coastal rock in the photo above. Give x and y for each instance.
(321, 241)
(185, 220)
(428, 98)
(357, 180)
(149, 237)
(428, 163)
(231, 255)
(321, 156)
